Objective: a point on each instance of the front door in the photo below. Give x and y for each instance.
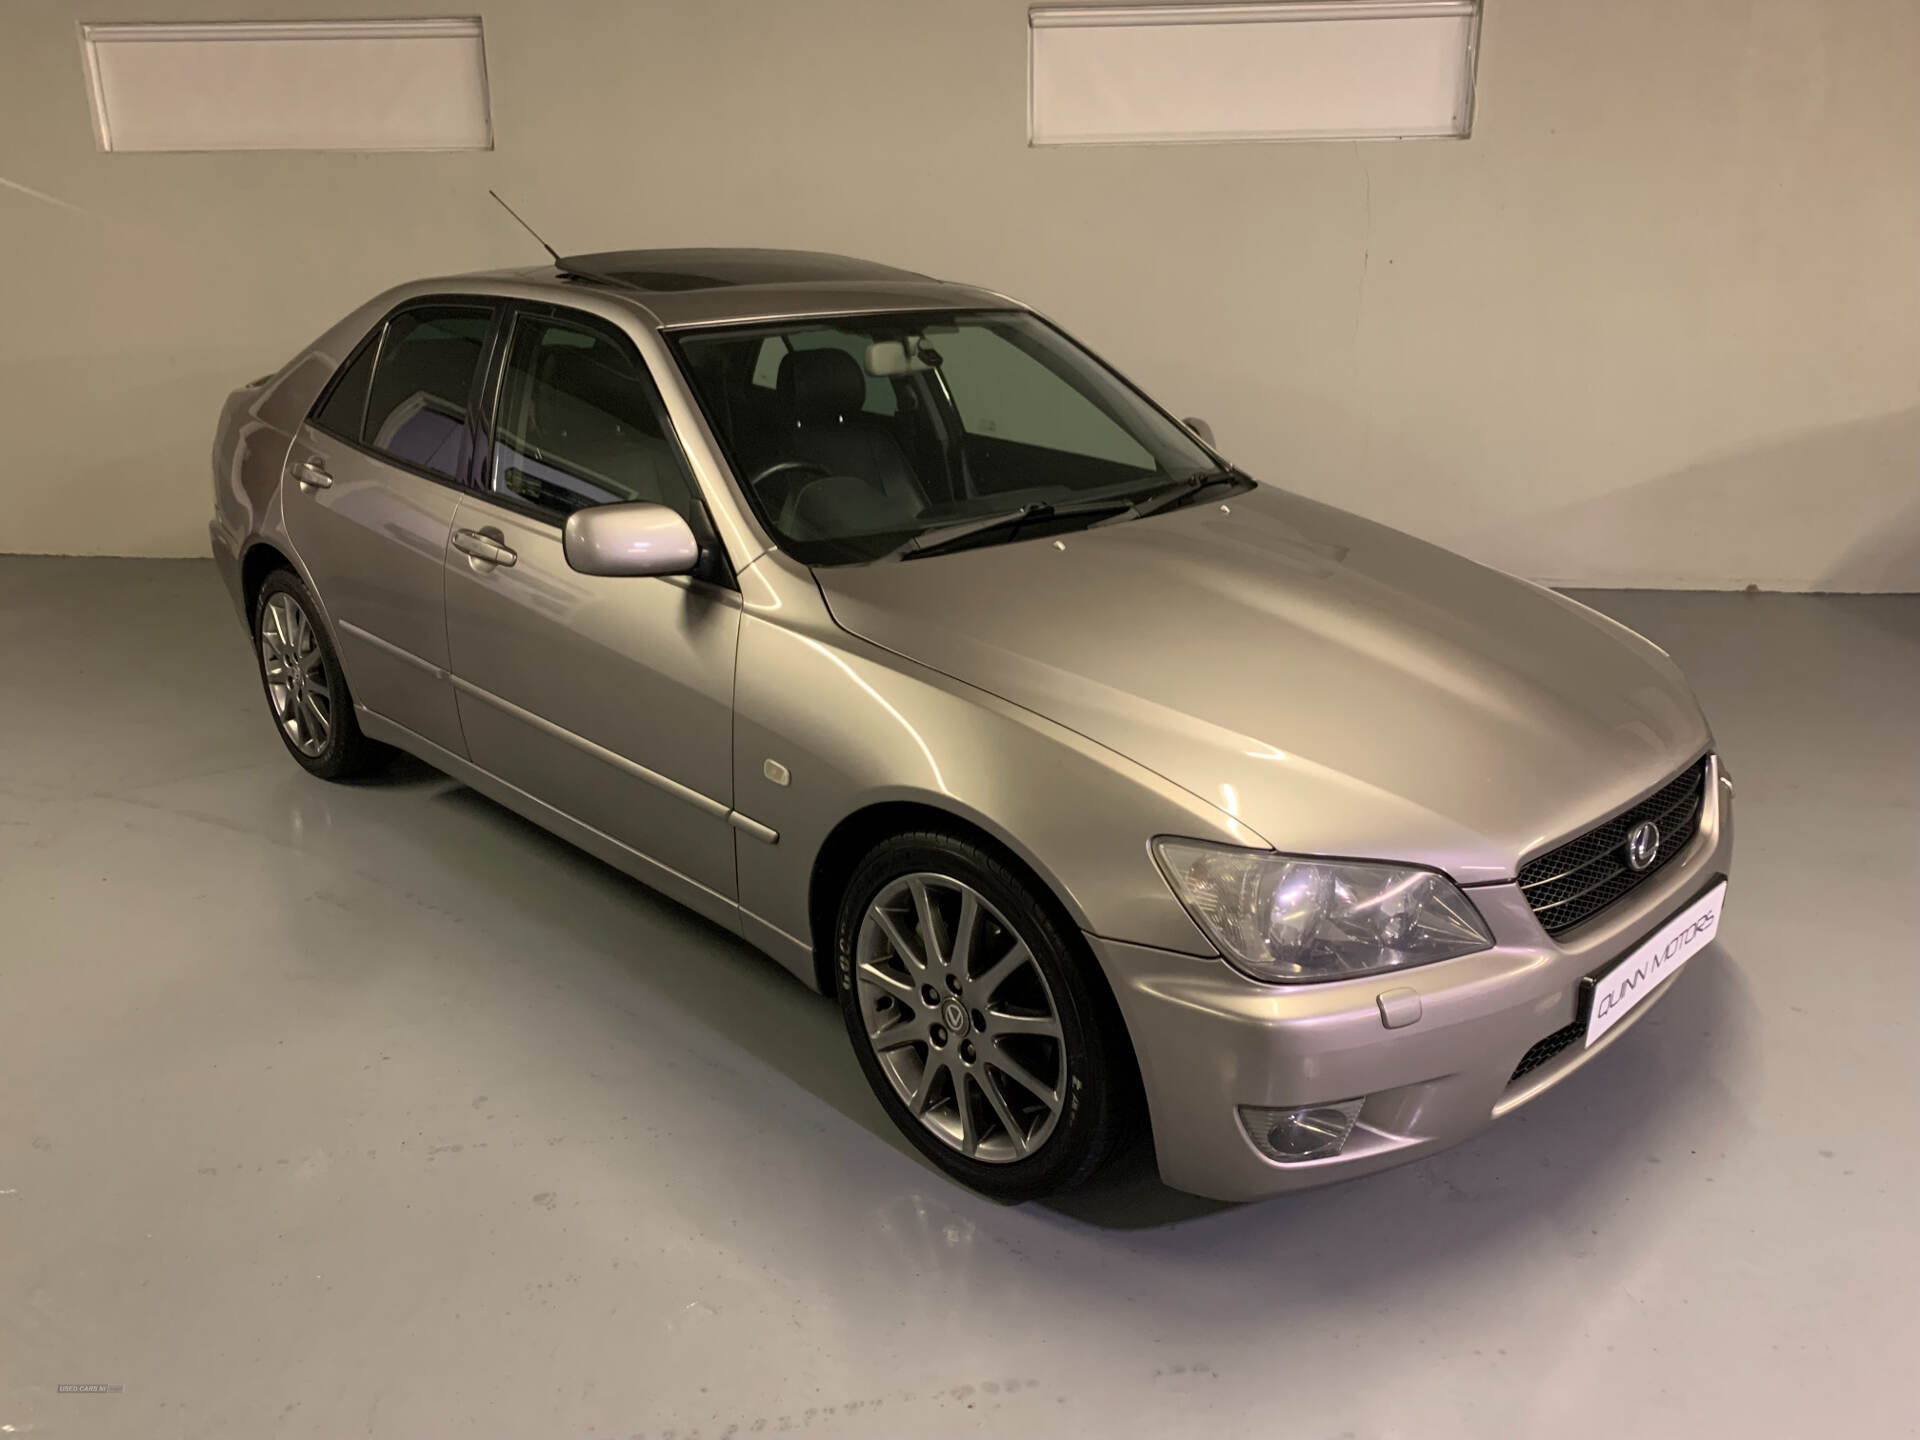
(370, 498)
(608, 698)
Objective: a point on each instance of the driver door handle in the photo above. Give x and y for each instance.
(483, 547)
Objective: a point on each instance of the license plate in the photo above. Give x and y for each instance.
(1639, 974)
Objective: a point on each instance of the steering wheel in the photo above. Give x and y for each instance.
(778, 485)
(781, 467)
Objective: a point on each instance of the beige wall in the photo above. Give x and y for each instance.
(1657, 323)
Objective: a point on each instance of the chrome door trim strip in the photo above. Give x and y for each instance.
(704, 803)
(349, 628)
(766, 834)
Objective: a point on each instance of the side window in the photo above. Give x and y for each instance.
(416, 407)
(580, 423)
(1004, 393)
(345, 410)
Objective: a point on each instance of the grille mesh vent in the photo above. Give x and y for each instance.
(1545, 1050)
(1575, 882)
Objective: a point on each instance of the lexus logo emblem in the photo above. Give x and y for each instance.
(1643, 845)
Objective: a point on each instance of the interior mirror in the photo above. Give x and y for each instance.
(900, 357)
(1200, 428)
(637, 539)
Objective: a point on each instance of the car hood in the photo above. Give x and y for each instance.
(1338, 687)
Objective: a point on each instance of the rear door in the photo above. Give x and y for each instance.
(373, 480)
(608, 698)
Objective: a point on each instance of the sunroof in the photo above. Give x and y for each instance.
(663, 270)
(666, 279)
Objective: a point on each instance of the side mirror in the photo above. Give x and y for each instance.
(1201, 428)
(636, 539)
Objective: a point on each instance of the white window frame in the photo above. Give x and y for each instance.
(96, 38)
(1050, 19)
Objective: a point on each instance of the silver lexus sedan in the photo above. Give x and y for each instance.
(878, 620)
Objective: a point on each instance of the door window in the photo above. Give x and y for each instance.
(580, 423)
(417, 403)
(406, 392)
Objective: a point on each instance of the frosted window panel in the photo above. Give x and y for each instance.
(297, 85)
(1343, 70)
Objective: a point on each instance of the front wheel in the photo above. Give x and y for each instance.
(975, 1018)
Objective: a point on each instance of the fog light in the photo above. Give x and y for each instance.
(1313, 1132)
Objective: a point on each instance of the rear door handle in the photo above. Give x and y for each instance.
(312, 475)
(483, 547)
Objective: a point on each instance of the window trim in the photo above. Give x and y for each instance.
(377, 336)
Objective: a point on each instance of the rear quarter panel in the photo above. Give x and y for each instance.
(256, 429)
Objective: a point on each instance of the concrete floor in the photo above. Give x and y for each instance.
(336, 1111)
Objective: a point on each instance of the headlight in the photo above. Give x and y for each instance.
(1282, 919)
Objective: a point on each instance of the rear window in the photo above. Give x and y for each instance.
(344, 410)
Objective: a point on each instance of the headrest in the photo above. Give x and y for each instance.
(821, 384)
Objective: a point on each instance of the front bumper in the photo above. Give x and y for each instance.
(1210, 1041)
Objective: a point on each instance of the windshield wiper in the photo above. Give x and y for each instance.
(947, 537)
(1180, 492)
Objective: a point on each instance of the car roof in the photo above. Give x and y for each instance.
(719, 285)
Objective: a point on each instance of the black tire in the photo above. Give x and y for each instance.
(1094, 1082)
(343, 753)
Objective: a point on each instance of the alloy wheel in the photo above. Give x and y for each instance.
(961, 1018)
(296, 675)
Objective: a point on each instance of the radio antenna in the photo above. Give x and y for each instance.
(558, 262)
(569, 272)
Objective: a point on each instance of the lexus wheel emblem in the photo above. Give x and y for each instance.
(1643, 845)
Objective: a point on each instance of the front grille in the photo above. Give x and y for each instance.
(1583, 877)
(1545, 1050)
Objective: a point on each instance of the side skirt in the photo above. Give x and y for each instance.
(790, 952)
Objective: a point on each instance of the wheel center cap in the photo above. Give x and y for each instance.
(954, 1016)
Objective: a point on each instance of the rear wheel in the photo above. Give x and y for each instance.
(306, 691)
(975, 1019)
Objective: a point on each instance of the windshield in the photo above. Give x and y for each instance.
(860, 436)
